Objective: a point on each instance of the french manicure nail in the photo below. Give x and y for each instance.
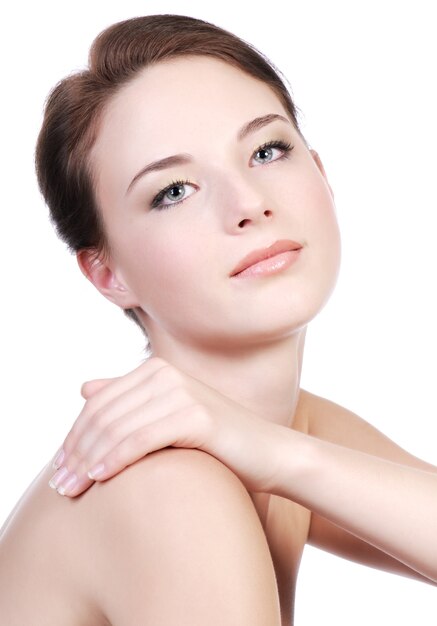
(96, 471)
(68, 485)
(58, 477)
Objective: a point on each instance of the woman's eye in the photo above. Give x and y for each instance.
(173, 194)
(272, 151)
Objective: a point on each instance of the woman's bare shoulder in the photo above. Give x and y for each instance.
(332, 422)
(179, 517)
(124, 535)
(40, 556)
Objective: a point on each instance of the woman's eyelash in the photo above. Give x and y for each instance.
(157, 200)
(276, 143)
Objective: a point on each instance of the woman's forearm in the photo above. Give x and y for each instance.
(391, 506)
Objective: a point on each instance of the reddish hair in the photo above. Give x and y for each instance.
(75, 106)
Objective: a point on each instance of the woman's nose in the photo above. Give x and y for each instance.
(244, 204)
(258, 217)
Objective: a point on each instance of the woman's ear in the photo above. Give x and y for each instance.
(104, 279)
(319, 164)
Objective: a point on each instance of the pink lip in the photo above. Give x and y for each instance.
(283, 245)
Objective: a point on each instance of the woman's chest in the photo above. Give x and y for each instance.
(286, 525)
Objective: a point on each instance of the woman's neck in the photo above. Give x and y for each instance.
(265, 379)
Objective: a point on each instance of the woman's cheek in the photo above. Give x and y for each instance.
(165, 271)
(322, 230)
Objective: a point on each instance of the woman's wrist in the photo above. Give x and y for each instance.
(295, 460)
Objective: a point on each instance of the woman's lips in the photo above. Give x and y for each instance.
(272, 265)
(268, 260)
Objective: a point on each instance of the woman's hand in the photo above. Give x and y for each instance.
(155, 406)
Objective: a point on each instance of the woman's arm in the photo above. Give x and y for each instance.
(383, 502)
(332, 422)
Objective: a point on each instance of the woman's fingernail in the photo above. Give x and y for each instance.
(96, 471)
(59, 459)
(58, 477)
(68, 485)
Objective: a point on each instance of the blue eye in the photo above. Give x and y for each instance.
(267, 152)
(178, 190)
(172, 194)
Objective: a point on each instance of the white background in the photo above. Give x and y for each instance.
(364, 77)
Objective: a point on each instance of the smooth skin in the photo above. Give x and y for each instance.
(224, 379)
(354, 491)
(174, 539)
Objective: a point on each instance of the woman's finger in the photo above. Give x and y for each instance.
(71, 481)
(133, 377)
(97, 403)
(187, 428)
(98, 441)
(72, 485)
(90, 387)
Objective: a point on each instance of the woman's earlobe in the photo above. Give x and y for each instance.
(104, 279)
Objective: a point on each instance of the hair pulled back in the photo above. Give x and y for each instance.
(75, 106)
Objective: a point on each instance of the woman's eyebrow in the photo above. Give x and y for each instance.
(259, 122)
(181, 159)
(176, 159)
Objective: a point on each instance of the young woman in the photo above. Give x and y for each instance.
(175, 169)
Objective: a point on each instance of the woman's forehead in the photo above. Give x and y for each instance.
(194, 90)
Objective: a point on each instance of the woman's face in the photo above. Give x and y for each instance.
(172, 252)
